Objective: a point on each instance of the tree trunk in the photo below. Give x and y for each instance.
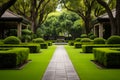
(118, 16)
(112, 19)
(87, 26)
(6, 5)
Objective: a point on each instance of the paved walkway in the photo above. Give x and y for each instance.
(60, 67)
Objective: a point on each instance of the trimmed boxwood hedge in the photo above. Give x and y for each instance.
(34, 48)
(49, 43)
(71, 43)
(108, 57)
(12, 40)
(43, 45)
(13, 57)
(77, 45)
(89, 48)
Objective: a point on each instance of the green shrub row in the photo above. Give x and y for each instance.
(12, 40)
(71, 43)
(49, 43)
(10, 58)
(89, 48)
(77, 45)
(34, 48)
(43, 45)
(108, 57)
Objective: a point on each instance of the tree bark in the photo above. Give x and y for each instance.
(118, 16)
(6, 5)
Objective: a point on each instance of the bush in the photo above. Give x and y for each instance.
(92, 37)
(26, 31)
(77, 39)
(49, 43)
(71, 43)
(77, 45)
(83, 36)
(113, 40)
(12, 40)
(108, 57)
(38, 40)
(99, 41)
(14, 57)
(85, 40)
(89, 48)
(43, 45)
(34, 48)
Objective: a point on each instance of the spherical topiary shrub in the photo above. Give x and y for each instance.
(38, 40)
(85, 40)
(83, 36)
(113, 40)
(12, 40)
(99, 41)
(77, 39)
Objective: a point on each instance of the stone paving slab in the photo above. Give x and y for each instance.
(60, 67)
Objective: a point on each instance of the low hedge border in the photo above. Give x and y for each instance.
(43, 45)
(49, 43)
(108, 57)
(89, 48)
(13, 57)
(34, 48)
(71, 43)
(77, 45)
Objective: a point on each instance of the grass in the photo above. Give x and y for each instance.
(33, 70)
(88, 70)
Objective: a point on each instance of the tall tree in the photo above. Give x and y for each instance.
(5, 5)
(83, 8)
(35, 10)
(104, 3)
(118, 16)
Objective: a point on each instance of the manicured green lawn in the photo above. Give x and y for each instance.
(33, 70)
(88, 70)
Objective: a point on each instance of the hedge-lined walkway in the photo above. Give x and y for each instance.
(60, 67)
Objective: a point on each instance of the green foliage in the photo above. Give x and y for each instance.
(83, 36)
(30, 71)
(34, 48)
(43, 45)
(12, 40)
(92, 36)
(26, 32)
(85, 40)
(108, 57)
(77, 39)
(77, 45)
(71, 43)
(14, 57)
(26, 35)
(99, 41)
(49, 43)
(38, 40)
(113, 40)
(89, 48)
(82, 64)
(64, 24)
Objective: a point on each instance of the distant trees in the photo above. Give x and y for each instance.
(5, 4)
(83, 8)
(65, 23)
(35, 10)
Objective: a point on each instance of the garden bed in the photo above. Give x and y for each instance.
(89, 48)
(13, 57)
(34, 48)
(108, 57)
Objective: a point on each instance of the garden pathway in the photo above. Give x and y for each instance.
(60, 67)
